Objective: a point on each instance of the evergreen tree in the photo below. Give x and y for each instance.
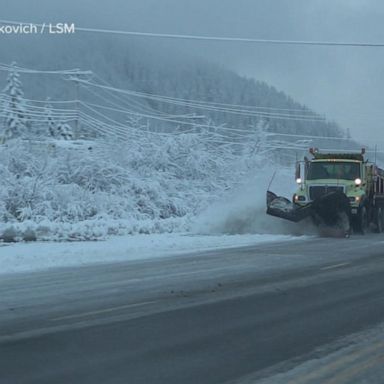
(261, 136)
(64, 131)
(348, 133)
(15, 122)
(50, 122)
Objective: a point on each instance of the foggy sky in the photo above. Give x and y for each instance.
(345, 83)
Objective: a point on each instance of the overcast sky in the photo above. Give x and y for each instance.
(345, 83)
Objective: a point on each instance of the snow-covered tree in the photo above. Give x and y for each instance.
(58, 130)
(50, 122)
(257, 143)
(64, 131)
(15, 119)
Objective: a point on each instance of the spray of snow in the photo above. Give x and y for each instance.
(243, 210)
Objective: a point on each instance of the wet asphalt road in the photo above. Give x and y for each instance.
(229, 316)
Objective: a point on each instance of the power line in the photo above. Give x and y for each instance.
(39, 112)
(214, 106)
(212, 38)
(208, 106)
(125, 101)
(72, 72)
(240, 107)
(133, 105)
(303, 110)
(245, 108)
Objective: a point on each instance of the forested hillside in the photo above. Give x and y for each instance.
(161, 70)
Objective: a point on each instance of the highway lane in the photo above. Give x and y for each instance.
(213, 317)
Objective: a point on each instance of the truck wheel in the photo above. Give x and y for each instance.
(379, 220)
(362, 221)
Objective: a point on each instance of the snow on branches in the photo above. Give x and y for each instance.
(13, 106)
(70, 190)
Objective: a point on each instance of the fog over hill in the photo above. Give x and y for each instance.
(161, 70)
(344, 83)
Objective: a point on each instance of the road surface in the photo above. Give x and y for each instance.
(302, 311)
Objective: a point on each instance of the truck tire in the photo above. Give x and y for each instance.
(379, 220)
(361, 221)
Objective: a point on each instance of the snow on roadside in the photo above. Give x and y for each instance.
(343, 360)
(28, 257)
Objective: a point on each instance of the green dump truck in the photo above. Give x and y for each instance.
(340, 190)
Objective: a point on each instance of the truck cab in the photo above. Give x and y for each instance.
(330, 175)
(348, 173)
(339, 190)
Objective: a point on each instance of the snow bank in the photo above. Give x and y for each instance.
(24, 257)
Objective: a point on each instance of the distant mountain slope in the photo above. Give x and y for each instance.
(157, 69)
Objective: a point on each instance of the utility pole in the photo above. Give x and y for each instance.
(76, 77)
(77, 98)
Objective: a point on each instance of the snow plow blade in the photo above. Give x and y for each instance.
(281, 207)
(329, 209)
(332, 210)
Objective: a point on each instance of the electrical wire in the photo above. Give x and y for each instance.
(209, 38)
(39, 114)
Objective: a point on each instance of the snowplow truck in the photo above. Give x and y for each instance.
(341, 190)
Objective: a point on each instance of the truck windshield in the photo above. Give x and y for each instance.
(333, 170)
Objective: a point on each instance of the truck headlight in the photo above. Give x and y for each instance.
(354, 199)
(357, 181)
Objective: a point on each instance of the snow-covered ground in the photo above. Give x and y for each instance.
(23, 257)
